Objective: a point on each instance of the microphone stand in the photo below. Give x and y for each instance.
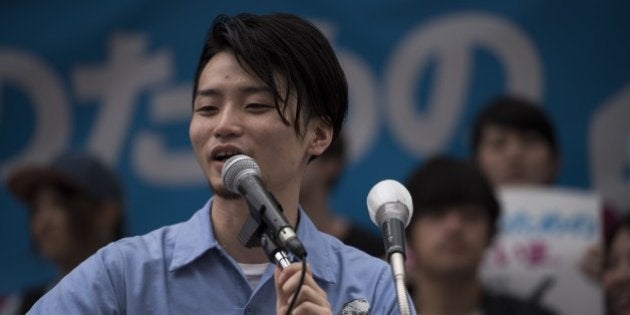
(397, 263)
(255, 233)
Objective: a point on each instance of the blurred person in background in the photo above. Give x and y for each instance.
(514, 144)
(318, 184)
(616, 277)
(75, 206)
(454, 222)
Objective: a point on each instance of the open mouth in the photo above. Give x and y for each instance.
(224, 155)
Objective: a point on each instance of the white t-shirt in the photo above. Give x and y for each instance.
(253, 272)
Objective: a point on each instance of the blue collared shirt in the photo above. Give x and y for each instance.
(182, 269)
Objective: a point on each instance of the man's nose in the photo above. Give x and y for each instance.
(228, 123)
(514, 148)
(453, 220)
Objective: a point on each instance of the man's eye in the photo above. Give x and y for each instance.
(496, 143)
(258, 108)
(206, 110)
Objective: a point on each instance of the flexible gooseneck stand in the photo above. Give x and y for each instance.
(397, 262)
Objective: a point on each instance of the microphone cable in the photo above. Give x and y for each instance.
(297, 292)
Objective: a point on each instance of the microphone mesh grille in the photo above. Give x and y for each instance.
(235, 168)
(385, 192)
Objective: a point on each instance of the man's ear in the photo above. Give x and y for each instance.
(322, 134)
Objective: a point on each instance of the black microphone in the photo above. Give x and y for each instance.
(390, 207)
(241, 175)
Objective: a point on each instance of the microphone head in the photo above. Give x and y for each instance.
(236, 168)
(385, 192)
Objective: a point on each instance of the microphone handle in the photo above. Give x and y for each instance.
(266, 209)
(393, 236)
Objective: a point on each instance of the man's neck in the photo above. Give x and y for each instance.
(436, 296)
(227, 219)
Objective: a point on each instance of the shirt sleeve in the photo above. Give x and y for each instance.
(88, 289)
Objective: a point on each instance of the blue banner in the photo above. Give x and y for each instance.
(115, 78)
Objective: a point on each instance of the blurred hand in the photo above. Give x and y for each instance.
(592, 263)
(311, 299)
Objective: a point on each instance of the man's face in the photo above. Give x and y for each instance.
(617, 274)
(450, 242)
(508, 156)
(50, 227)
(234, 113)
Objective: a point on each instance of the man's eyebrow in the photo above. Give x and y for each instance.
(256, 89)
(207, 92)
(248, 90)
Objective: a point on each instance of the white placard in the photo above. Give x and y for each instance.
(543, 236)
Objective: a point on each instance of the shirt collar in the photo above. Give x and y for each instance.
(320, 254)
(196, 236)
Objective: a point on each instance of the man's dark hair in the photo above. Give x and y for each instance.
(442, 182)
(291, 47)
(517, 113)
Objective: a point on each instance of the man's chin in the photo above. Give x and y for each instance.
(224, 193)
(458, 274)
(516, 179)
(457, 269)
